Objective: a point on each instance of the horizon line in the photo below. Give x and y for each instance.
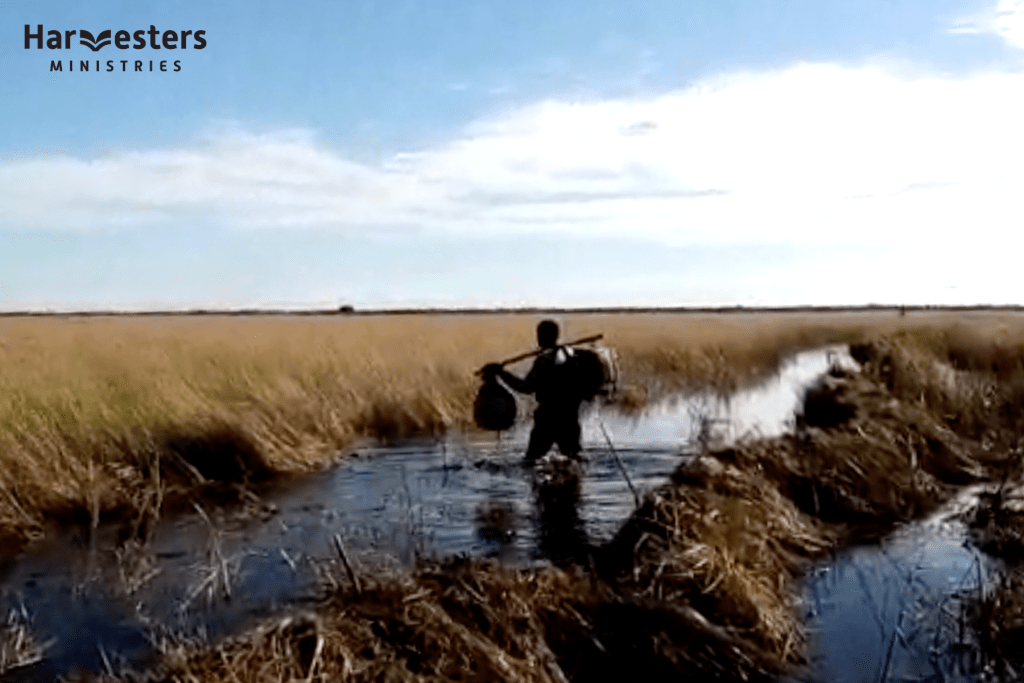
(347, 310)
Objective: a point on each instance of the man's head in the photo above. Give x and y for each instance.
(547, 334)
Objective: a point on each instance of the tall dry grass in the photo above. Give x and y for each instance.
(99, 415)
(699, 583)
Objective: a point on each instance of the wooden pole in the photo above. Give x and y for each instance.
(529, 354)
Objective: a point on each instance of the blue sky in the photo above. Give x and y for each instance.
(411, 153)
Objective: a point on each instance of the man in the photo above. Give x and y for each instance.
(557, 418)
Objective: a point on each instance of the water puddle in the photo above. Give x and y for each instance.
(894, 611)
(214, 571)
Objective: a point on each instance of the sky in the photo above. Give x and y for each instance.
(406, 153)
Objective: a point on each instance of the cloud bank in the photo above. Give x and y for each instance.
(812, 153)
(1005, 19)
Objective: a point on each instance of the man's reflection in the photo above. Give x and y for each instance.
(561, 537)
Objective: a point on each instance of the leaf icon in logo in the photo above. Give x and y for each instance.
(97, 43)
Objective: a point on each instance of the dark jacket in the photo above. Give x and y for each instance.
(549, 380)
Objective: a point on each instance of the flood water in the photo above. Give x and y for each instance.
(213, 572)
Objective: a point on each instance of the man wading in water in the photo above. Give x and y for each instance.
(557, 418)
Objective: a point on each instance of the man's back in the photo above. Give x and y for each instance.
(552, 381)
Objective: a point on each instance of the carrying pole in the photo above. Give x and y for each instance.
(618, 461)
(529, 354)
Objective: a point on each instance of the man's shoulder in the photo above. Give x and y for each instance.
(542, 360)
(551, 359)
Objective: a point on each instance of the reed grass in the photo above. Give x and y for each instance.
(699, 583)
(19, 648)
(92, 410)
(997, 614)
(888, 444)
(464, 620)
(100, 416)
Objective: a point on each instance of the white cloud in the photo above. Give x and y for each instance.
(1009, 21)
(1005, 19)
(811, 153)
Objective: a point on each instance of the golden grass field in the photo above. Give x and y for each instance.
(94, 413)
(701, 582)
(88, 405)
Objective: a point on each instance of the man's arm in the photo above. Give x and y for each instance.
(523, 386)
(526, 385)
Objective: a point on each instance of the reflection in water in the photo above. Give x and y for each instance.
(497, 523)
(561, 536)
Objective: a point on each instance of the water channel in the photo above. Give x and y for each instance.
(215, 571)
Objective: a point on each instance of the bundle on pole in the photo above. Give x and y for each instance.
(589, 372)
(535, 352)
(594, 372)
(495, 406)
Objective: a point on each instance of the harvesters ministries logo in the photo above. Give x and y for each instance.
(38, 38)
(97, 43)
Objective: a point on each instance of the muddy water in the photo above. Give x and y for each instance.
(215, 571)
